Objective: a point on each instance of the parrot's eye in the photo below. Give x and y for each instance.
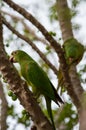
(14, 52)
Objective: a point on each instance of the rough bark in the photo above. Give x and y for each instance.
(64, 19)
(3, 110)
(82, 119)
(76, 83)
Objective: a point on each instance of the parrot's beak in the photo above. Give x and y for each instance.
(12, 59)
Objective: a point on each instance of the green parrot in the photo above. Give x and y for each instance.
(73, 51)
(37, 78)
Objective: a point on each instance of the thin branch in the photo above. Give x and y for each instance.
(32, 32)
(27, 28)
(32, 45)
(4, 107)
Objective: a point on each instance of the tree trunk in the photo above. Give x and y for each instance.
(66, 28)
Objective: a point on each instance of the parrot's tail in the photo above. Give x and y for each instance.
(48, 104)
(57, 97)
(58, 100)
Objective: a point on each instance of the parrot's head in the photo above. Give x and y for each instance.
(17, 55)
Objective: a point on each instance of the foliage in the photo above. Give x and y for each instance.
(68, 117)
(53, 13)
(23, 118)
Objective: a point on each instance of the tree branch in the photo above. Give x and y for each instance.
(4, 107)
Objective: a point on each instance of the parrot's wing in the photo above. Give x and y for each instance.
(39, 80)
(58, 99)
